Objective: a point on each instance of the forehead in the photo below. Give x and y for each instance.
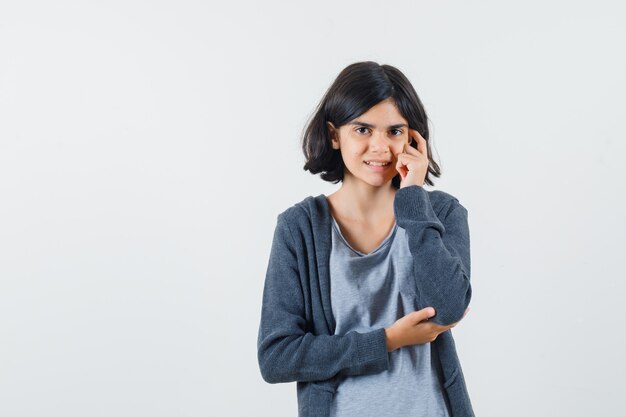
(386, 111)
(384, 114)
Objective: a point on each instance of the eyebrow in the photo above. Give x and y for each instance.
(359, 123)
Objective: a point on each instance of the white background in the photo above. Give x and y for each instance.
(146, 149)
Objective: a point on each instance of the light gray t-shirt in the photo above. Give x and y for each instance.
(370, 291)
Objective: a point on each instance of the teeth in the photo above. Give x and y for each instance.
(378, 164)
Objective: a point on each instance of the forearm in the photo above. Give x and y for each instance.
(309, 357)
(441, 254)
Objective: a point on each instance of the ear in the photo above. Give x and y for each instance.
(333, 135)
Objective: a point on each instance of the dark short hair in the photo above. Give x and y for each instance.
(357, 88)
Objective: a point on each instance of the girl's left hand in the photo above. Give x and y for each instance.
(413, 163)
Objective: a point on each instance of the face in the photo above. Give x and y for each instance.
(377, 135)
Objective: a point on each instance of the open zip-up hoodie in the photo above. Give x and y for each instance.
(296, 340)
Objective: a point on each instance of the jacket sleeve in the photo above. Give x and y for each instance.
(441, 254)
(287, 352)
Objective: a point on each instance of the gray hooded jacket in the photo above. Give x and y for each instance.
(296, 340)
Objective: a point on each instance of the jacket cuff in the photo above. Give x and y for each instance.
(372, 351)
(412, 203)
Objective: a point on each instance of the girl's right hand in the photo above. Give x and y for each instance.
(414, 329)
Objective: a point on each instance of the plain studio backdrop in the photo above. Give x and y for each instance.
(146, 149)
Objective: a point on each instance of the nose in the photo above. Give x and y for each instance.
(380, 142)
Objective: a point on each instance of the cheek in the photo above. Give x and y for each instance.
(397, 148)
(356, 149)
(350, 154)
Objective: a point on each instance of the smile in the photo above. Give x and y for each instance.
(379, 167)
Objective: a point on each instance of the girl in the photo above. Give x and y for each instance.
(364, 285)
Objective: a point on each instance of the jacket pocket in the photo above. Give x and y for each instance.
(458, 396)
(320, 399)
(452, 378)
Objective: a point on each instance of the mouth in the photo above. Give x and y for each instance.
(378, 163)
(379, 167)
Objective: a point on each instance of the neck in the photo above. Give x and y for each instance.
(364, 202)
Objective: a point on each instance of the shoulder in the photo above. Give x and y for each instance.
(305, 221)
(304, 211)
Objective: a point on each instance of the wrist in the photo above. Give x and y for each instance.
(391, 340)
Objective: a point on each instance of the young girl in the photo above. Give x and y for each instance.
(364, 285)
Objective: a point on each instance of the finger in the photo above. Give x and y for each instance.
(407, 148)
(403, 160)
(401, 168)
(442, 329)
(423, 314)
(412, 155)
(421, 143)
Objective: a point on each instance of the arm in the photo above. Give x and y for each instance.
(286, 351)
(441, 255)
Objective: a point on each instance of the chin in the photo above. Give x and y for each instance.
(380, 183)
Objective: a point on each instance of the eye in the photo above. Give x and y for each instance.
(396, 130)
(359, 128)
